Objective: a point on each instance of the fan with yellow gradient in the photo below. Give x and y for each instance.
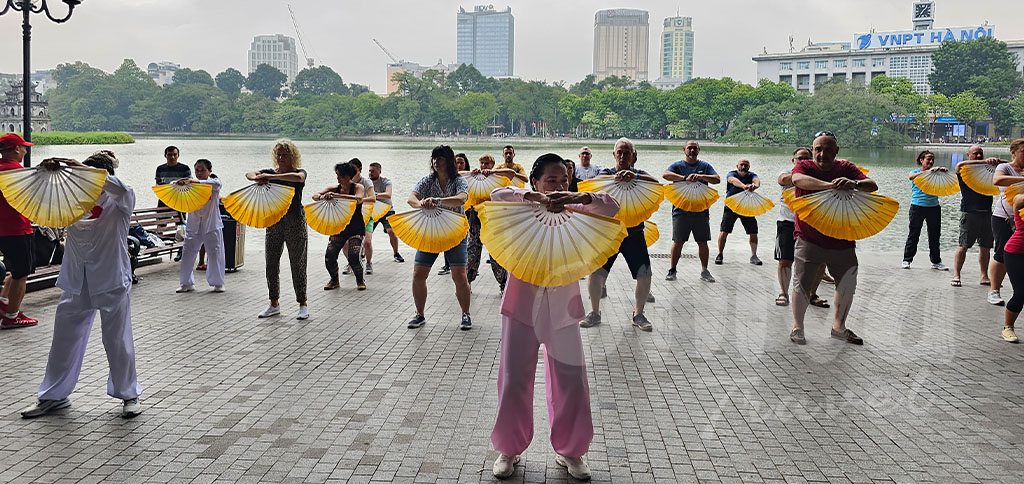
(748, 204)
(691, 196)
(1013, 191)
(863, 170)
(184, 198)
(979, 178)
(638, 199)
(561, 247)
(480, 186)
(430, 229)
(788, 195)
(845, 214)
(331, 215)
(380, 209)
(259, 206)
(651, 233)
(937, 183)
(53, 198)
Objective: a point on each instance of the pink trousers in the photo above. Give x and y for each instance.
(568, 393)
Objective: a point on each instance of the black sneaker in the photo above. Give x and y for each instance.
(640, 321)
(467, 323)
(604, 292)
(848, 336)
(398, 257)
(671, 276)
(718, 259)
(592, 319)
(444, 271)
(416, 321)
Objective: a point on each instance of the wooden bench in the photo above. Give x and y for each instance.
(162, 221)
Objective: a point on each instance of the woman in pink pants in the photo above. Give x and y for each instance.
(534, 315)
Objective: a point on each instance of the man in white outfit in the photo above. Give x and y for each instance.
(95, 275)
(204, 227)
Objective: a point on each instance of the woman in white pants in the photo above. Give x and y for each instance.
(203, 228)
(95, 275)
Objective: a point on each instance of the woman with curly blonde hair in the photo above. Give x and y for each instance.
(290, 231)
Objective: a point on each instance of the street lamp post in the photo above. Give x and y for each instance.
(26, 7)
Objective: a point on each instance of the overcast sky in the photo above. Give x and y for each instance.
(553, 38)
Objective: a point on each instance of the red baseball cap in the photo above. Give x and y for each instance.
(10, 140)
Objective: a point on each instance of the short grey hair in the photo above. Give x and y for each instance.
(626, 141)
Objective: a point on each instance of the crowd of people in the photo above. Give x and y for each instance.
(96, 273)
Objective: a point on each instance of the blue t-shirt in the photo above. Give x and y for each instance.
(683, 168)
(612, 171)
(920, 198)
(747, 179)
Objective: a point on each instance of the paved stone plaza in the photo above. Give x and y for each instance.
(716, 393)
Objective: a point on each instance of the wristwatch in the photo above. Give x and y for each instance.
(856, 184)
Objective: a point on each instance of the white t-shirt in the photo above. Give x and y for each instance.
(785, 214)
(587, 173)
(207, 218)
(1003, 209)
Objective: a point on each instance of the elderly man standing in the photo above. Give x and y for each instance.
(585, 170)
(814, 249)
(975, 219)
(684, 223)
(633, 247)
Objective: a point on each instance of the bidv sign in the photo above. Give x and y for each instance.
(913, 38)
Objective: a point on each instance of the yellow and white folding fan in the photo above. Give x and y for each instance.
(184, 198)
(380, 209)
(1013, 191)
(863, 170)
(845, 214)
(979, 178)
(367, 211)
(651, 233)
(691, 196)
(748, 204)
(788, 195)
(937, 183)
(330, 216)
(259, 206)
(430, 229)
(480, 186)
(638, 199)
(53, 198)
(560, 247)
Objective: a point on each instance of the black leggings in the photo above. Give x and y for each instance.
(918, 216)
(334, 247)
(1015, 271)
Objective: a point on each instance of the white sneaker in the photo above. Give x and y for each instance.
(270, 311)
(185, 288)
(906, 265)
(995, 299)
(132, 408)
(576, 467)
(940, 267)
(218, 288)
(303, 312)
(504, 466)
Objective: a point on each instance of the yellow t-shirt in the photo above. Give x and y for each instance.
(518, 169)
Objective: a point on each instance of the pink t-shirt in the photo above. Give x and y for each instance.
(840, 169)
(1015, 245)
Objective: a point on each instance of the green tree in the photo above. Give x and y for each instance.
(188, 76)
(466, 78)
(968, 108)
(583, 87)
(1017, 110)
(356, 90)
(984, 65)
(318, 81)
(230, 81)
(266, 80)
(475, 110)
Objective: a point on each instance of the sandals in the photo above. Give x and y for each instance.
(201, 267)
(956, 283)
(819, 302)
(782, 300)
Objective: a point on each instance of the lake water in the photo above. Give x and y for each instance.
(405, 162)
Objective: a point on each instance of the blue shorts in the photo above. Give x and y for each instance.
(456, 256)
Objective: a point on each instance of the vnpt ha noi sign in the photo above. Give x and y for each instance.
(915, 38)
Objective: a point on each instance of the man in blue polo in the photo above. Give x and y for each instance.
(684, 223)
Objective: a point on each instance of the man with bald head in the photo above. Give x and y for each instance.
(975, 219)
(814, 249)
(585, 169)
(685, 223)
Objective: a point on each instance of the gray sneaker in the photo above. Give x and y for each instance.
(797, 336)
(754, 260)
(650, 297)
(592, 319)
(131, 408)
(671, 276)
(640, 321)
(706, 276)
(43, 407)
(369, 269)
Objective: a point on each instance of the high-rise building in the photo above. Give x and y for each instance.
(277, 51)
(677, 49)
(486, 40)
(162, 72)
(621, 38)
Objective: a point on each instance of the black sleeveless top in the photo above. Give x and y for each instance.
(357, 226)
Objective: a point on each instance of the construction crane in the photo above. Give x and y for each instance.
(307, 53)
(388, 53)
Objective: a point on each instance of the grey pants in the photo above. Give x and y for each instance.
(290, 231)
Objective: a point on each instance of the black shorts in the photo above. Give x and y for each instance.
(784, 241)
(384, 221)
(18, 253)
(634, 250)
(697, 223)
(976, 227)
(729, 221)
(1001, 232)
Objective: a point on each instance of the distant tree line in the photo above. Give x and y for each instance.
(973, 80)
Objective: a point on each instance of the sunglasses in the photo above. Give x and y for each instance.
(826, 133)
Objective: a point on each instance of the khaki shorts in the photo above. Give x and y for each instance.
(808, 260)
